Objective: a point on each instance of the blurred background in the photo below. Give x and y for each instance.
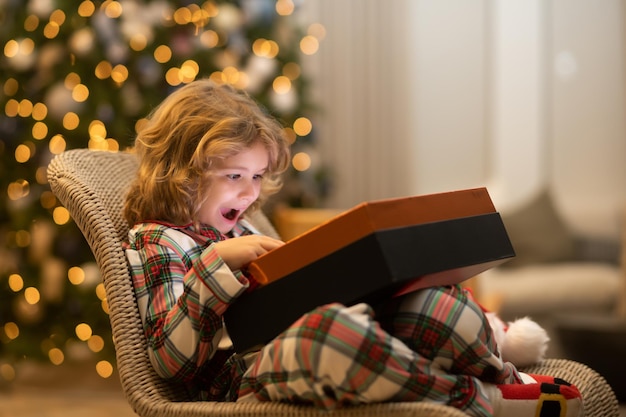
(84, 74)
(380, 99)
(427, 96)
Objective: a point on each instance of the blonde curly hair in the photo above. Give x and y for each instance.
(193, 127)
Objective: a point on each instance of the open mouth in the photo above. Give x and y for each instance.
(230, 214)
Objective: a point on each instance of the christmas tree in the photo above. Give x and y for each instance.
(84, 74)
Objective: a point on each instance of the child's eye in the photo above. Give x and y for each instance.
(258, 177)
(233, 176)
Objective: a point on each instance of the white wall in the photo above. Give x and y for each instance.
(587, 111)
(448, 65)
(361, 83)
(424, 96)
(517, 104)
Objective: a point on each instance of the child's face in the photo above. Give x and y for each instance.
(235, 184)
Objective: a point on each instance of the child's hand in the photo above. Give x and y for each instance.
(239, 251)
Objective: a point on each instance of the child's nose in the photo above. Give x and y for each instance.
(248, 190)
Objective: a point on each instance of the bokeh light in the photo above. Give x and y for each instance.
(83, 331)
(56, 356)
(85, 75)
(301, 161)
(76, 275)
(104, 369)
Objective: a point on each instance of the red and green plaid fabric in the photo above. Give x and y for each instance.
(433, 344)
(336, 356)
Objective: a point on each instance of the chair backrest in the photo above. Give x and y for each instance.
(92, 186)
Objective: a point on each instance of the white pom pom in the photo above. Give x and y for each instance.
(525, 343)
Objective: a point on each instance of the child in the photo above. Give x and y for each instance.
(209, 156)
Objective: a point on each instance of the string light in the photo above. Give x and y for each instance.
(285, 7)
(22, 239)
(18, 189)
(71, 80)
(291, 135)
(22, 153)
(11, 48)
(103, 70)
(32, 295)
(209, 38)
(95, 343)
(10, 87)
(39, 130)
(57, 144)
(60, 215)
(7, 372)
(309, 45)
(100, 291)
(56, 356)
(172, 77)
(16, 282)
(112, 9)
(51, 30)
(86, 9)
(119, 73)
(105, 306)
(41, 175)
(301, 161)
(292, 71)
(281, 84)
(80, 93)
(138, 42)
(11, 330)
(265, 48)
(12, 108)
(31, 23)
(58, 17)
(182, 16)
(162, 54)
(25, 108)
(302, 126)
(97, 128)
(40, 111)
(104, 369)
(48, 199)
(76, 275)
(189, 70)
(71, 120)
(83, 331)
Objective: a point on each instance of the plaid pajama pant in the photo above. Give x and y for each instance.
(431, 345)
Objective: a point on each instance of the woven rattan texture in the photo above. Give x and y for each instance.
(91, 185)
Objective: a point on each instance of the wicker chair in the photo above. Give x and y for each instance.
(91, 185)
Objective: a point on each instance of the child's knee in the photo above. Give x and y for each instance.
(330, 324)
(441, 304)
(436, 320)
(315, 356)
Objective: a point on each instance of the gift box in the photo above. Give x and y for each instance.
(374, 251)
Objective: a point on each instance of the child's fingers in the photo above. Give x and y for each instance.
(269, 243)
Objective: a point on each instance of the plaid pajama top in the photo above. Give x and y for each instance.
(183, 288)
(432, 345)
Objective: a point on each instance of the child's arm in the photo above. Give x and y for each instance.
(182, 291)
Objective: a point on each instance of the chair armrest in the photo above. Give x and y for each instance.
(599, 399)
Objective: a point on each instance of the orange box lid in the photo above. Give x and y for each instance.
(364, 219)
